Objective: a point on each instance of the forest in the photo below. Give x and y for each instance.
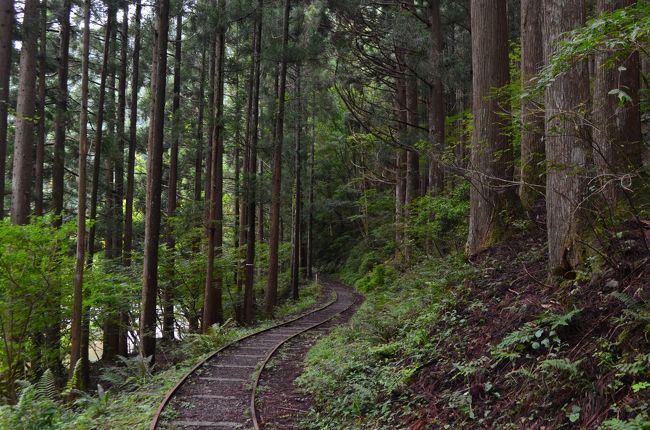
(325, 214)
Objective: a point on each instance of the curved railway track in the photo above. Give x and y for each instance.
(220, 392)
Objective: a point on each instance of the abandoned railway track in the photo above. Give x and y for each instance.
(220, 391)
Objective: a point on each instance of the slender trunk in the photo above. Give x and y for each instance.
(492, 159)
(213, 308)
(251, 169)
(40, 133)
(25, 110)
(99, 135)
(531, 191)
(567, 142)
(154, 184)
(208, 164)
(270, 296)
(436, 103)
(310, 214)
(133, 139)
(297, 233)
(618, 143)
(6, 48)
(172, 188)
(412, 157)
(61, 115)
(77, 301)
(198, 160)
(121, 135)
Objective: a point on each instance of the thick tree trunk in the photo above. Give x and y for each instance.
(154, 184)
(99, 135)
(172, 188)
(271, 294)
(80, 261)
(618, 145)
(25, 110)
(297, 216)
(40, 132)
(567, 142)
(436, 103)
(213, 307)
(133, 139)
(492, 159)
(121, 135)
(400, 164)
(531, 191)
(6, 48)
(61, 115)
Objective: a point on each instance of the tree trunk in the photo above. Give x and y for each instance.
(492, 159)
(133, 139)
(297, 217)
(436, 103)
(271, 294)
(61, 115)
(25, 110)
(618, 144)
(80, 261)
(154, 184)
(121, 135)
(400, 162)
(99, 135)
(213, 308)
(412, 157)
(40, 133)
(531, 191)
(6, 48)
(310, 215)
(172, 188)
(567, 142)
(198, 160)
(251, 169)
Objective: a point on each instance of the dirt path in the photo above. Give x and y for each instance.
(217, 395)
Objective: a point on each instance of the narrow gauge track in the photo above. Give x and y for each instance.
(219, 392)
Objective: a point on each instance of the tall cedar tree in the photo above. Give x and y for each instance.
(154, 183)
(6, 49)
(213, 308)
(436, 101)
(531, 190)
(80, 261)
(25, 110)
(297, 214)
(618, 144)
(492, 195)
(39, 156)
(271, 294)
(567, 141)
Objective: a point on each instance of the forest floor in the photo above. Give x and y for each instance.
(492, 343)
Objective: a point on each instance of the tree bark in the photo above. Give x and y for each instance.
(491, 158)
(618, 144)
(121, 134)
(154, 184)
(251, 169)
(6, 48)
(99, 135)
(198, 160)
(436, 102)
(61, 115)
(172, 188)
(271, 294)
(133, 139)
(25, 110)
(80, 261)
(531, 191)
(567, 142)
(297, 217)
(213, 307)
(40, 132)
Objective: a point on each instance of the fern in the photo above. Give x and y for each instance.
(72, 383)
(563, 365)
(641, 422)
(46, 387)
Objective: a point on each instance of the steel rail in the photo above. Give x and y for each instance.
(256, 381)
(170, 394)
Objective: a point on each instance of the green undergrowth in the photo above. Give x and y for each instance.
(136, 387)
(449, 344)
(359, 373)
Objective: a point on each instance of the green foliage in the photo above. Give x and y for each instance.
(640, 422)
(359, 374)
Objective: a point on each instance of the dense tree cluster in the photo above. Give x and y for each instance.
(218, 151)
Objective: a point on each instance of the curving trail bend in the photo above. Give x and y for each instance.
(219, 393)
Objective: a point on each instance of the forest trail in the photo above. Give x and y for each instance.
(219, 392)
